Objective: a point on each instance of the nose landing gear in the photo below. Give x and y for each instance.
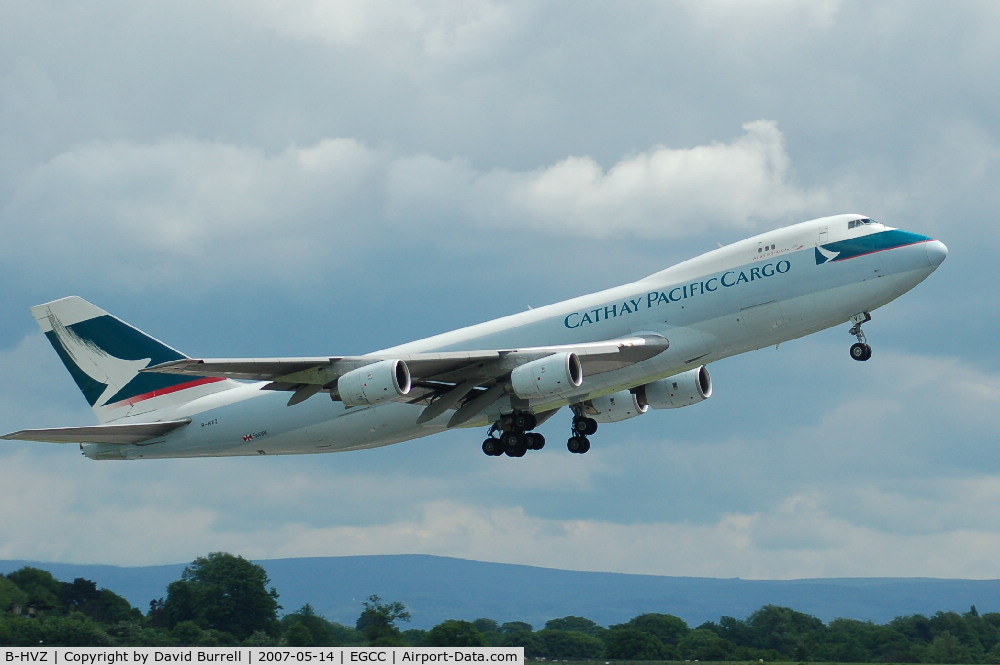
(860, 350)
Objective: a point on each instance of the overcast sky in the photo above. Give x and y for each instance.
(251, 178)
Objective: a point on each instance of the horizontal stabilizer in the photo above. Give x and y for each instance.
(121, 434)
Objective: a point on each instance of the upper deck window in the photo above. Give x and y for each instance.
(854, 223)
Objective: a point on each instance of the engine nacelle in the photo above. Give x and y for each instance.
(616, 407)
(379, 382)
(547, 377)
(674, 392)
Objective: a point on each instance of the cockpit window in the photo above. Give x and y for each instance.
(854, 223)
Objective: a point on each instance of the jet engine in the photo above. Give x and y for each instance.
(676, 391)
(547, 377)
(616, 407)
(379, 382)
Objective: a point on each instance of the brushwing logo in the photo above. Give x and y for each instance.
(823, 255)
(96, 363)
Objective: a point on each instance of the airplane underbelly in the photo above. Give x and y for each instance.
(763, 321)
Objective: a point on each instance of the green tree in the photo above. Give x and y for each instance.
(790, 633)
(624, 643)
(703, 644)
(568, 645)
(946, 648)
(575, 624)
(519, 634)
(414, 637)
(734, 631)
(961, 627)
(346, 636)
(21, 632)
(455, 633)
(73, 630)
(80, 594)
(101, 605)
(378, 622)
(485, 625)
(324, 633)
(916, 628)
(260, 639)
(186, 634)
(490, 628)
(40, 586)
(298, 635)
(225, 593)
(137, 634)
(985, 627)
(11, 596)
(847, 641)
(512, 627)
(665, 627)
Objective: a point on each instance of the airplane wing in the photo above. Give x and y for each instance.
(119, 434)
(448, 375)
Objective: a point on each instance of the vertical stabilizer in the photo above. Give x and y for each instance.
(104, 355)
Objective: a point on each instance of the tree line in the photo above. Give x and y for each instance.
(225, 600)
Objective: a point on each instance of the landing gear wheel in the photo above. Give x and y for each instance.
(492, 447)
(514, 444)
(511, 436)
(584, 426)
(861, 351)
(578, 444)
(534, 441)
(524, 421)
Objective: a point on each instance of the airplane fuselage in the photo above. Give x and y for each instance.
(758, 292)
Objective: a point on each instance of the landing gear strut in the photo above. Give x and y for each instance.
(582, 427)
(860, 350)
(512, 436)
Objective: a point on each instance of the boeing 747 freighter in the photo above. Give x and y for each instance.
(607, 356)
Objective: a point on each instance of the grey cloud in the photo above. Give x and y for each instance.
(328, 178)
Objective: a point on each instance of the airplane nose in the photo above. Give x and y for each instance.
(936, 252)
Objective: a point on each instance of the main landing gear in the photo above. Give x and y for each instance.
(582, 427)
(860, 350)
(512, 436)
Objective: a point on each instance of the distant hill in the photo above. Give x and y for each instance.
(438, 588)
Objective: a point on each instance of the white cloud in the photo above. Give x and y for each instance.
(437, 26)
(668, 193)
(179, 209)
(165, 213)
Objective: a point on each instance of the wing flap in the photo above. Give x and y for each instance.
(116, 434)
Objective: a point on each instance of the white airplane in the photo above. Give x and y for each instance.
(609, 356)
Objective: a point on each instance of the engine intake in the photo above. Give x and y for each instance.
(550, 376)
(372, 384)
(676, 391)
